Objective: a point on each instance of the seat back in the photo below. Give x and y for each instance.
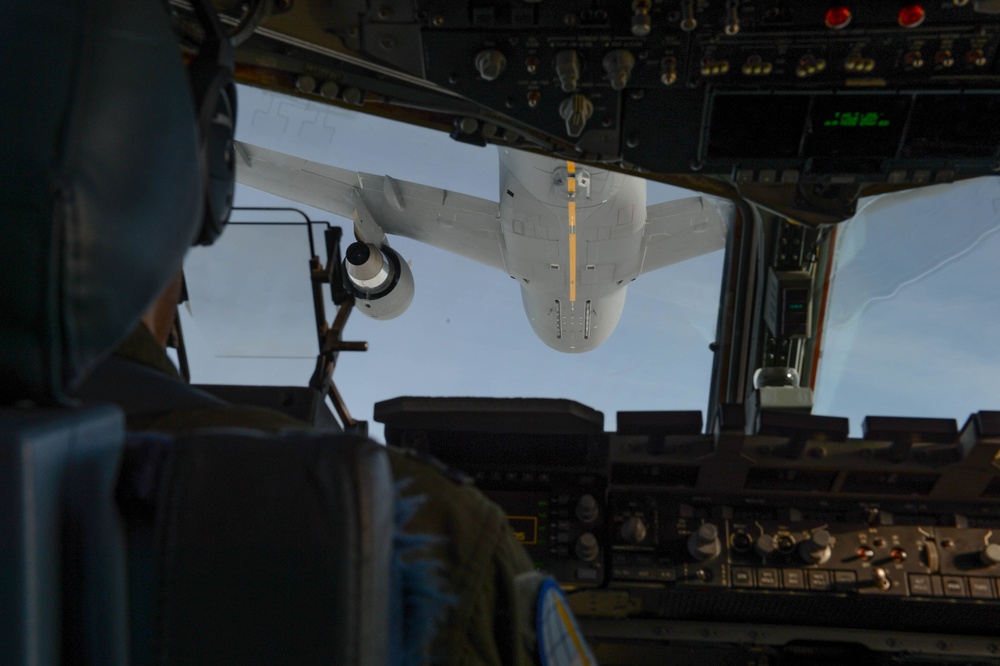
(62, 556)
(254, 549)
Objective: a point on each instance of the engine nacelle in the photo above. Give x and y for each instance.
(379, 279)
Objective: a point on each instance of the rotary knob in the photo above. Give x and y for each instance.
(764, 545)
(587, 509)
(568, 70)
(990, 555)
(618, 65)
(490, 64)
(576, 111)
(633, 530)
(932, 556)
(587, 548)
(704, 544)
(817, 549)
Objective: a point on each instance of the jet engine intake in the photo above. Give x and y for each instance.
(379, 279)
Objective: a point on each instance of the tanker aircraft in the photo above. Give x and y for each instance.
(572, 235)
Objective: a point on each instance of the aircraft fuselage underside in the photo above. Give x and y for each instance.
(573, 239)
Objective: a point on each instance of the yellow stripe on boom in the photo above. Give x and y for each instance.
(571, 217)
(572, 268)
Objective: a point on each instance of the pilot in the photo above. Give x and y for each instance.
(490, 593)
(489, 583)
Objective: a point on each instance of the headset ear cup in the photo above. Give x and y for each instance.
(211, 77)
(219, 164)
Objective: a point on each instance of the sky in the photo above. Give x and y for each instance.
(466, 333)
(913, 327)
(912, 330)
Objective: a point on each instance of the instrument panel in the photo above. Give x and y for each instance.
(797, 106)
(788, 522)
(884, 91)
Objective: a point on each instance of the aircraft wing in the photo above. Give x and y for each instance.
(684, 229)
(462, 224)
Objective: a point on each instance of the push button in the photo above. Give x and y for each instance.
(845, 581)
(768, 578)
(794, 580)
(819, 580)
(920, 585)
(954, 586)
(742, 577)
(981, 588)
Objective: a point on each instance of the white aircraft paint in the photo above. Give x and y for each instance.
(573, 236)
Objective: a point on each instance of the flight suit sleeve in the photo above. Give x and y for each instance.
(487, 622)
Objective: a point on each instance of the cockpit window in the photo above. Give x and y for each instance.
(466, 333)
(913, 309)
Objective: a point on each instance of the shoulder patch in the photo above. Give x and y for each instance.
(560, 641)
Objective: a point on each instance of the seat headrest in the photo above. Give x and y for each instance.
(100, 191)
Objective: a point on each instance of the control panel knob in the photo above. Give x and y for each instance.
(688, 21)
(568, 70)
(816, 549)
(990, 555)
(732, 17)
(587, 548)
(764, 545)
(668, 71)
(944, 58)
(932, 556)
(856, 62)
(618, 64)
(305, 84)
(704, 544)
(641, 23)
(576, 111)
(809, 65)
(490, 64)
(587, 509)
(633, 530)
(881, 577)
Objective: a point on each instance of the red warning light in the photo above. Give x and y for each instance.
(837, 17)
(912, 16)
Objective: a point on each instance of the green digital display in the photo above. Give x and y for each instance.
(857, 119)
(858, 125)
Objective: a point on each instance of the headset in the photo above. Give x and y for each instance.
(211, 76)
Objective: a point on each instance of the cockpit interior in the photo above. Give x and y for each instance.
(786, 453)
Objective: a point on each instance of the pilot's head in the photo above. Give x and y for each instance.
(117, 158)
